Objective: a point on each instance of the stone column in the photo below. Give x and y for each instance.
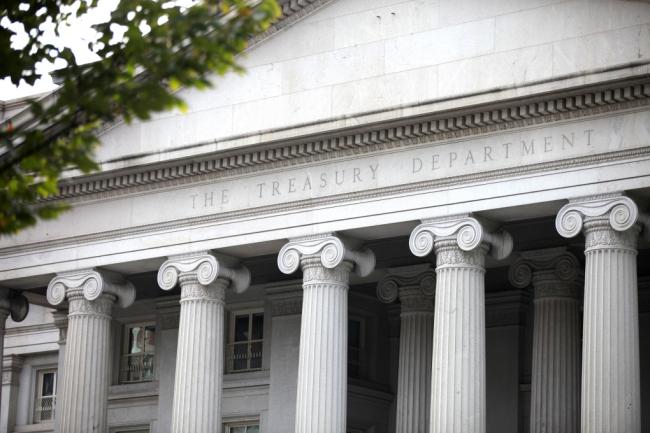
(204, 279)
(555, 387)
(14, 304)
(326, 262)
(458, 360)
(11, 368)
(611, 396)
(83, 403)
(415, 288)
(285, 301)
(61, 322)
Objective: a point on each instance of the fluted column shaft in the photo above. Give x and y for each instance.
(458, 365)
(555, 387)
(414, 373)
(611, 396)
(83, 404)
(199, 358)
(322, 366)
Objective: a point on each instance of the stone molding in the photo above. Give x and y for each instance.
(490, 119)
(552, 272)
(92, 283)
(11, 367)
(61, 322)
(286, 306)
(206, 268)
(331, 250)
(413, 285)
(14, 303)
(467, 232)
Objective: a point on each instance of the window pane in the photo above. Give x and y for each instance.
(136, 340)
(354, 333)
(256, 355)
(48, 384)
(150, 339)
(253, 429)
(241, 328)
(258, 326)
(240, 356)
(240, 429)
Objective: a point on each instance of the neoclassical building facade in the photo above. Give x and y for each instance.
(408, 216)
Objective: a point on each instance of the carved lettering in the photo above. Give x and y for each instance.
(417, 165)
(438, 161)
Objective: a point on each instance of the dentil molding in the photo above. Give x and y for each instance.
(469, 122)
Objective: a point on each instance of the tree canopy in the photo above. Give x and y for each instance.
(146, 51)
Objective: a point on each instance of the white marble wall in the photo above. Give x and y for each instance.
(354, 56)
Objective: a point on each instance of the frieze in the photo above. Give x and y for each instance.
(429, 131)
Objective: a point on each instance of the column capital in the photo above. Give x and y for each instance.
(410, 283)
(465, 230)
(91, 284)
(549, 270)
(621, 212)
(206, 267)
(14, 303)
(330, 249)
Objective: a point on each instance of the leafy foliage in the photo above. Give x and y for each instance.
(165, 46)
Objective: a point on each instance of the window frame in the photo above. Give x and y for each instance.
(126, 329)
(362, 345)
(231, 339)
(39, 374)
(249, 422)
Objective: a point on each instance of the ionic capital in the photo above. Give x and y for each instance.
(91, 283)
(14, 303)
(620, 210)
(552, 272)
(417, 281)
(331, 250)
(468, 232)
(206, 267)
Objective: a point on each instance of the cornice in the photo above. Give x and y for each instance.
(497, 117)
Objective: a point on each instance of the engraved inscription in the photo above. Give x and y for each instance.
(420, 162)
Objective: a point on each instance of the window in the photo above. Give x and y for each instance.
(356, 335)
(137, 363)
(246, 340)
(242, 427)
(45, 395)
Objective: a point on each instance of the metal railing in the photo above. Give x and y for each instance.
(244, 356)
(45, 407)
(137, 367)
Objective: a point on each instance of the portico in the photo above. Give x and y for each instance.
(475, 262)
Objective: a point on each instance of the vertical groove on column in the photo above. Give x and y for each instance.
(414, 373)
(199, 360)
(322, 371)
(556, 352)
(83, 403)
(458, 359)
(610, 365)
